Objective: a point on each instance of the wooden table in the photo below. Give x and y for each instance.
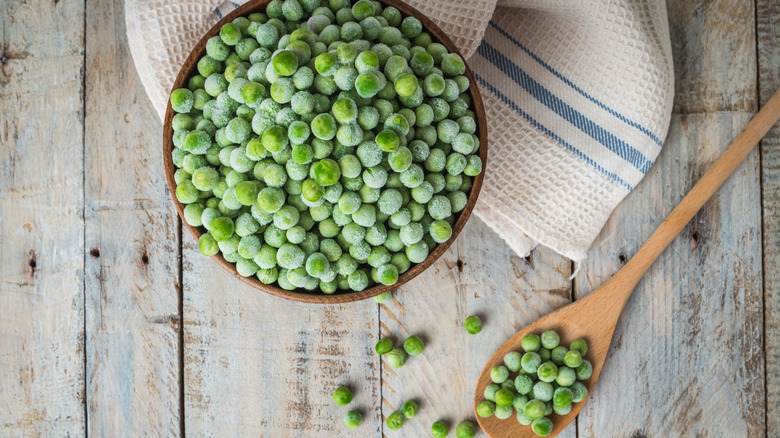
(112, 324)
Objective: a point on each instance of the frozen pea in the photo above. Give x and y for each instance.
(441, 109)
(208, 66)
(531, 342)
(585, 370)
(473, 166)
(573, 359)
(352, 419)
(387, 140)
(547, 372)
(345, 110)
(440, 231)
(182, 100)
(324, 127)
(579, 392)
(499, 374)
(358, 281)
(411, 27)
(230, 34)
(465, 429)
(579, 345)
(400, 261)
(486, 409)
(375, 177)
(439, 207)
(566, 376)
(458, 201)
(367, 85)
(345, 77)
(542, 426)
(390, 201)
(405, 84)
(349, 134)
(417, 252)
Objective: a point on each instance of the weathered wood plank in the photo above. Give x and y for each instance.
(132, 266)
(687, 358)
(768, 38)
(41, 225)
(479, 275)
(256, 365)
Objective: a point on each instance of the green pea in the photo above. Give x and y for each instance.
(542, 426)
(547, 372)
(182, 100)
(352, 419)
(383, 346)
(530, 362)
(413, 346)
(395, 420)
(579, 345)
(406, 84)
(439, 429)
(573, 359)
(473, 324)
(579, 392)
(388, 140)
(504, 397)
(367, 85)
(534, 409)
(230, 34)
(208, 245)
(342, 396)
(585, 370)
(395, 357)
(566, 376)
(465, 429)
(486, 409)
(324, 127)
(531, 342)
(345, 110)
(326, 64)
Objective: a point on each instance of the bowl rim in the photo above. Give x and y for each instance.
(189, 68)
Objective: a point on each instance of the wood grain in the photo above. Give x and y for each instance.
(258, 365)
(701, 302)
(131, 252)
(768, 39)
(479, 275)
(41, 225)
(189, 68)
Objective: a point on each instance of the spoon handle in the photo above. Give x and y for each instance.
(715, 176)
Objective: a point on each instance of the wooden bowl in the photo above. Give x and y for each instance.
(190, 68)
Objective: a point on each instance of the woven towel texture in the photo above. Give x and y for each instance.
(578, 97)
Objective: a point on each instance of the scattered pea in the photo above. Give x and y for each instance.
(342, 396)
(395, 420)
(352, 419)
(473, 324)
(439, 429)
(413, 345)
(409, 409)
(395, 357)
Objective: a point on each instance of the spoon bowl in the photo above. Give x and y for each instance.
(587, 319)
(594, 317)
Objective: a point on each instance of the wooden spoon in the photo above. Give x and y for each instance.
(594, 317)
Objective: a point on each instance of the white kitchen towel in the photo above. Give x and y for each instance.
(578, 97)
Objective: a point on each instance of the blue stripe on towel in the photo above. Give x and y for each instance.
(551, 134)
(614, 144)
(579, 90)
